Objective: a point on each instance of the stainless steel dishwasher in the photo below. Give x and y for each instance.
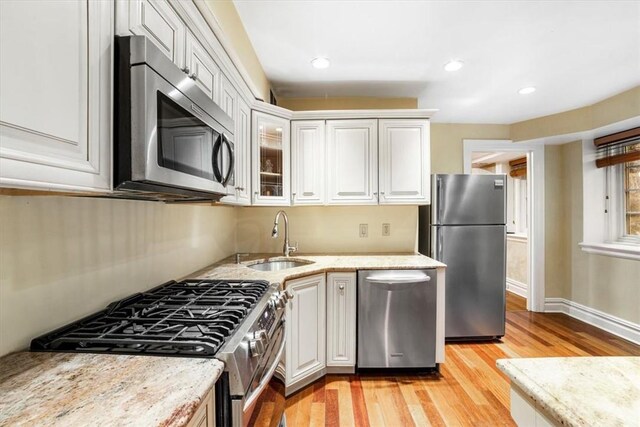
(397, 318)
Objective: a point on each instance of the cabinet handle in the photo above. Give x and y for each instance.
(382, 193)
(185, 70)
(375, 194)
(193, 76)
(255, 192)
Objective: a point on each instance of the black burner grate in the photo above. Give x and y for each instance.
(188, 318)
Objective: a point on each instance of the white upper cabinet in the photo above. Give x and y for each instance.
(341, 319)
(270, 148)
(352, 162)
(308, 162)
(404, 161)
(243, 154)
(203, 69)
(157, 20)
(56, 62)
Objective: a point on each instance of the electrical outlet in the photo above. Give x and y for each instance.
(364, 230)
(386, 229)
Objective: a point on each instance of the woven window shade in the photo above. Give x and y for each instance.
(617, 148)
(518, 168)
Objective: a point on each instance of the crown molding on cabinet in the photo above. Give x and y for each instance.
(274, 110)
(202, 19)
(363, 114)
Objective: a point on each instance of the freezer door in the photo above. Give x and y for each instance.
(475, 279)
(469, 199)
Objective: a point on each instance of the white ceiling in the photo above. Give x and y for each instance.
(574, 52)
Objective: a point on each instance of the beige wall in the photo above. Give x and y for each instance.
(62, 258)
(446, 143)
(556, 234)
(347, 103)
(233, 28)
(605, 283)
(330, 229)
(614, 109)
(517, 260)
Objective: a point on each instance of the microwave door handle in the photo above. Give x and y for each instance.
(215, 161)
(232, 160)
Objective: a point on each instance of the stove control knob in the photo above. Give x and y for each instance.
(258, 344)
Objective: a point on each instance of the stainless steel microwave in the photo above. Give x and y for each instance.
(171, 141)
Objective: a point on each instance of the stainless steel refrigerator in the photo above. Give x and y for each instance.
(467, 231)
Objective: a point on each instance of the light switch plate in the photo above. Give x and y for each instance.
(364, 230)
(386, 229)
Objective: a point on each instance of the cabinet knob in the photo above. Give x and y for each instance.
(185, 70)
(375, 194)
(382, 193)
(193, 76)
(341, 287)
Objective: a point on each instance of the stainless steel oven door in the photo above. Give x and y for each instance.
(264, 403)
(173, 139)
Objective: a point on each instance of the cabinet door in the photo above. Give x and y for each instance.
(243, 153)
(205, 414)
(271, 160)
(307, 162)
(203, 69)
(305, 314)
(55, 94)
(157, 20)
(341, 319)
(404, 162)
(352, 162)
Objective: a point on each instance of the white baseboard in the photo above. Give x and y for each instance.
(517, 288)
(612, 324)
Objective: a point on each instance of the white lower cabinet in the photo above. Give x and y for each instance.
(341, 321)
(305, 348)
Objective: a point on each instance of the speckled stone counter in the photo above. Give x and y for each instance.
(581, 391)
(228, 269)
(64, 389)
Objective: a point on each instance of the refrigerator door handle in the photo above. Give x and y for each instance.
(440, 201)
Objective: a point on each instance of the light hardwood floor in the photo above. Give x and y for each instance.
(469, 390)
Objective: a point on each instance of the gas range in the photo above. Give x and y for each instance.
(238, 322)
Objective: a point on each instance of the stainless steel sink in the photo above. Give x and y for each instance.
(279, 264)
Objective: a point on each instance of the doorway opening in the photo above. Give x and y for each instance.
(514, 165)
(531, 190)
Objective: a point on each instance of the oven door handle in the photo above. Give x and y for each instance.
(265, 380)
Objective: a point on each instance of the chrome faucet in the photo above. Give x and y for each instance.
(286, 249)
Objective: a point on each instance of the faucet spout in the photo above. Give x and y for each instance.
(286, 249)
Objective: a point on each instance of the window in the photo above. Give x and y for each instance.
(631, 186)
(619, 155)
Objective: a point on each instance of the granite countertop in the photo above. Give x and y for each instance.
(68, 389)
(581, 391)
(228, 269)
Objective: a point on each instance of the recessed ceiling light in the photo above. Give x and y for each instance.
(320, 62)
(453, 65)
(527, 90)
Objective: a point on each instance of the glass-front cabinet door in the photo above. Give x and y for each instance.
(271, 160)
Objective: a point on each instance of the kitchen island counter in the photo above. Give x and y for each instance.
(575, 391)
(65, 389)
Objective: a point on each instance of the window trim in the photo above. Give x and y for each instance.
(601, 233)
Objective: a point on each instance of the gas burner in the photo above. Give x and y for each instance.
(190, 318)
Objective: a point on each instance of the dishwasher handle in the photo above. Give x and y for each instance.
(398, 280)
